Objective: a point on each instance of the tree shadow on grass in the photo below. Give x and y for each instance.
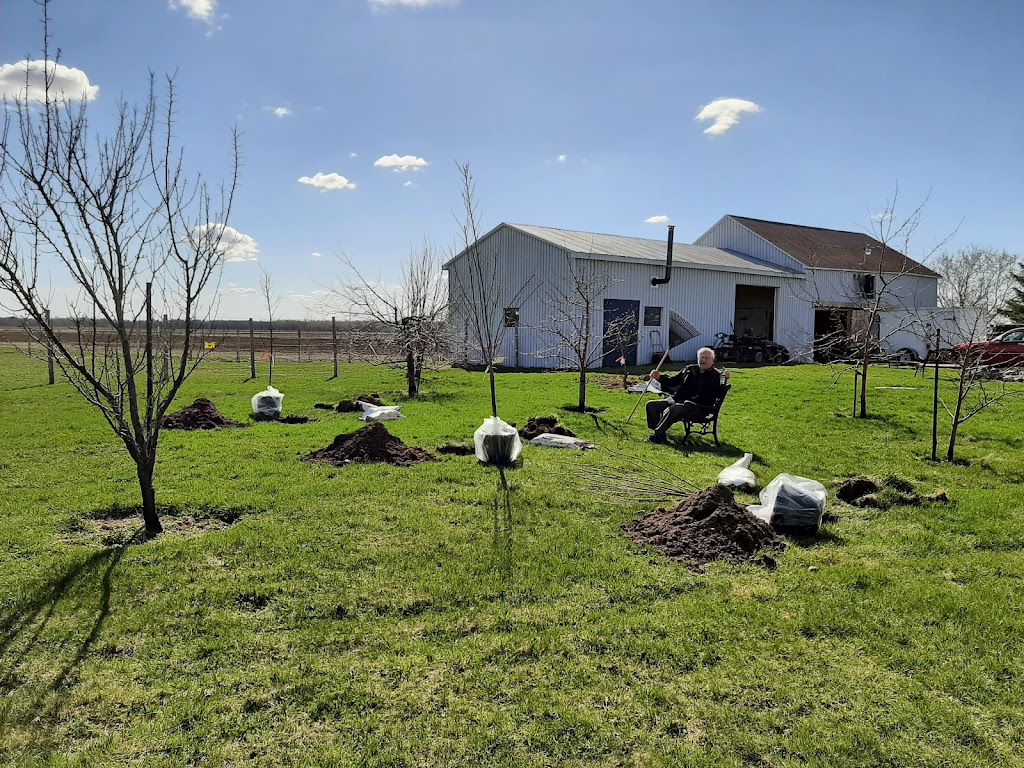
(37, 628)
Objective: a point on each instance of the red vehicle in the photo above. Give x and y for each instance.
(1005, 349)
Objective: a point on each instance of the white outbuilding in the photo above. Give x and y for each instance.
(784, 282)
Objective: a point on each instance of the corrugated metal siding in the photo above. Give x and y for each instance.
(705, 297)
(835, 286)
(729, 233)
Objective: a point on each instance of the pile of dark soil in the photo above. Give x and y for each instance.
(202, 414)
(293, 419)
(705, 526)
(372, 444)
(856, 487)
(888, 492)
(324, 406)
(350, 406)
(541, 425)
(456, 449)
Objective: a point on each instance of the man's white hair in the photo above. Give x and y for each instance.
(702, 350)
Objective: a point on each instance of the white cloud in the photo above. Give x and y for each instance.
(281, 111)
(409, 184)
(196, 9)
(662, 219)
(725, 113)
(239, 291)
(878, 218)
(327, 181)
(317, 254)
(404, 163)
(352, 154)
(234, 246)
(68, 82)
(560, 159)
(378, 4)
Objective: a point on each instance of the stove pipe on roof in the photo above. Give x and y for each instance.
(668, 259)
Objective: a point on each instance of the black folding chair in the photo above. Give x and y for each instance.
(708, 423)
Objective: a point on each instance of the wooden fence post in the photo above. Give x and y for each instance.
(298, 336)
(334, 344)
(252, 352)
(49, 350)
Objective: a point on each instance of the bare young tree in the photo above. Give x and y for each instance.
(271, 300)
(413, 311)
(479, 295)
(118, 216)
(887, 271)
(573, 319)
(980, 280)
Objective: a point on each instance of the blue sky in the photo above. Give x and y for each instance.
(579, 114)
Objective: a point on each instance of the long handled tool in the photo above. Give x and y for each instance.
(648, 387)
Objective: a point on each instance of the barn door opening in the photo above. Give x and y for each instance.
(755, 311)
(621, 325)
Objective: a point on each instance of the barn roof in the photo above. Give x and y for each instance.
(643, 249)
(833, 248)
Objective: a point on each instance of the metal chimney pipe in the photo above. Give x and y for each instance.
(668, 259)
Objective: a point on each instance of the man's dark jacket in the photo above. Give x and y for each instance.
(691, 384)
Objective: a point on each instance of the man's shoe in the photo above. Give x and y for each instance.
(656, 438)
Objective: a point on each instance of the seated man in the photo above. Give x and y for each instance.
(691, 394)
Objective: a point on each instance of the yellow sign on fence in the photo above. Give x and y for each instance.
(211, 345)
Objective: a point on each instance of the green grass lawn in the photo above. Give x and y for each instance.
(380, 616)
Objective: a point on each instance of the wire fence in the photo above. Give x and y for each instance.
(341, 345)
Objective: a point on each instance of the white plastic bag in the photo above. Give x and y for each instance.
(497, 442)
(381, 412)
(645, 386)
(789, 501)
(267, 403)
(552, 440)
(739, 475)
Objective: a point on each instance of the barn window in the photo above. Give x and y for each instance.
(652, 316)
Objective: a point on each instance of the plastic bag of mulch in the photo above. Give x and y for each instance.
(497, 442)
(792, 502)
(267, 403)
(739, 475)
(380, 412)
(552, 440)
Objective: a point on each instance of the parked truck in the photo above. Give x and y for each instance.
(920, 334)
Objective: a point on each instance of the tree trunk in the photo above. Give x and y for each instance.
(583, 389)
(410, 372)
(960, 395)
(149, 513)
(494, 394)
(864, 387)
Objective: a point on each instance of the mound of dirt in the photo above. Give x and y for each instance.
(372, 444)
(202, 414)
(350, 406)
(456, 449)
(890, 491)
(540, 425)
(705, 526)
(324, 406)
(855, 487)
(293, 419)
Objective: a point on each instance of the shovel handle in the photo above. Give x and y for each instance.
(640, 399)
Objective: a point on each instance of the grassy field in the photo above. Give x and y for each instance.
(379, 616)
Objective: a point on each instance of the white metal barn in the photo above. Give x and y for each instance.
(733, 279)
